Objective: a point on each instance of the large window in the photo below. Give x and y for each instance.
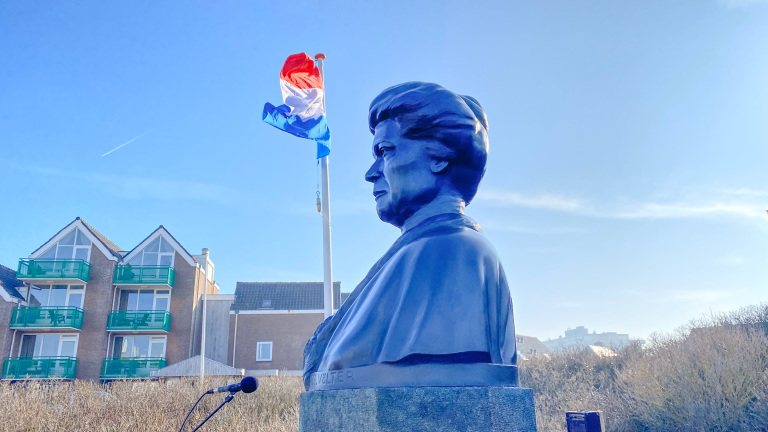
(263, 351)
(144, 300)
(158, 253)
(48, 345)
(74, 246)
(57, 295)
(139, 346)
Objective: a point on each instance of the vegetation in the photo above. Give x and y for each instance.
(710, 376)
(147, 406)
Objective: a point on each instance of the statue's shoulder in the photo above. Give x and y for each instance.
(460, 241)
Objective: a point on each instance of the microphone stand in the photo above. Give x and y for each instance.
(227, 399)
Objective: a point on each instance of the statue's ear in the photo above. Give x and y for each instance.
(438, 165)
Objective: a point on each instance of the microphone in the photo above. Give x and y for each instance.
(247, 385)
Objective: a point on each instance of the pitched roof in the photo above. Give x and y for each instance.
(113, 248)
(531, 345)
(191, 367)
(9, 282)
(283, 295)
(190, 258)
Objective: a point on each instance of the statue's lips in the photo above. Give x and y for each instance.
(378, 193)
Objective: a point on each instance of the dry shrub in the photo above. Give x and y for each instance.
(147, 406)
(713, 379)
(572, 380)
(709, 376)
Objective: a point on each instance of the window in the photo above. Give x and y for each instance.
(158, 253)
(520, 340)
(48, 345)
(56, 295)
(144, 300)
(266, 304)
(74, 246)
(139, 346)
(263, 351)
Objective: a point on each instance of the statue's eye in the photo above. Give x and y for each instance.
(385, 150)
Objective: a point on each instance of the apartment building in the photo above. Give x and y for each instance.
(88, 309)
(271, 322)
(580, 337)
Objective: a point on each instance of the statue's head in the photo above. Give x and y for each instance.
(427, 141)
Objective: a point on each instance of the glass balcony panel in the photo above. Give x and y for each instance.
(47, 317)
(130, 367)
(144, 275)
(139, 321)
(53, 269)
(39, 368)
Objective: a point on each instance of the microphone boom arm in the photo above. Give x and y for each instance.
(226, 399)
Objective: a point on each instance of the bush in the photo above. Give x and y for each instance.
(711, 375)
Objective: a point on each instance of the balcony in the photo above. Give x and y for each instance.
(130, 367)
(139, 321)
(72, 271)
(144, 275)
(58, 317)
(18, 368)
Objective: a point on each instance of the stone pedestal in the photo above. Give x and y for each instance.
(428, 409)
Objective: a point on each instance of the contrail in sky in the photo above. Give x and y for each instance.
(126, 143)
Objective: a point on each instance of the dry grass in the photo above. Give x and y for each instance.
(147, 406)
(711, 376)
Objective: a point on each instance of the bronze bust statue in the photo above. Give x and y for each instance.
(435, 310)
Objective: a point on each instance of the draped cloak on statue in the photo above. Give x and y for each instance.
(439, 295)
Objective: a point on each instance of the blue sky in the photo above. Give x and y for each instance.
(626, 188)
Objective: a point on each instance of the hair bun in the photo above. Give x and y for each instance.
(477, 109)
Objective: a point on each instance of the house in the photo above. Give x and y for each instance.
(271, 322)
(10, 298)
(87, 309)
(530, 346)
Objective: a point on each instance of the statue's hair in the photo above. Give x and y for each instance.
(429, 112)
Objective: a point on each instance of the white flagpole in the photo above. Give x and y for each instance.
(328, 305)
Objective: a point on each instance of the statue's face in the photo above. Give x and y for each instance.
(402, 176)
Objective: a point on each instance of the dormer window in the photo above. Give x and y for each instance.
(266, 304)
(158, 253)
(74, 246)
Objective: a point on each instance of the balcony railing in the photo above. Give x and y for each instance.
(130, 367)
(53, 269)
(16, 368)
(144, 275)
(144, 321)
(47, 317)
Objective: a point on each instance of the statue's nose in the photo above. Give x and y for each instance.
(373, 172)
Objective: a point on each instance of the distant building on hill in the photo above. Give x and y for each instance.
(580, 337)
(530, 346)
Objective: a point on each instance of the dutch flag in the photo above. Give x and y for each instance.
(303, 111)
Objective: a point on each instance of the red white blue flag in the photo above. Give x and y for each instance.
(303, 111)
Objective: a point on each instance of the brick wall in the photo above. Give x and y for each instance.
(182, 311)
(97, 303)
(288, 333)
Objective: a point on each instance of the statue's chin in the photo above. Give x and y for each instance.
(389, 215)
